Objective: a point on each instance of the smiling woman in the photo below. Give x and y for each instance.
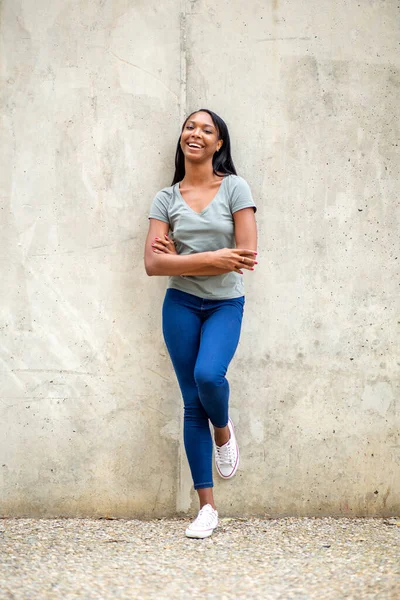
(210, 213)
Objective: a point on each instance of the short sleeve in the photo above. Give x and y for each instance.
(159, 207)
(240, 195)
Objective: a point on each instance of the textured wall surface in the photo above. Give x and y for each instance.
(92, 96)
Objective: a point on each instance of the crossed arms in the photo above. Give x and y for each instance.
(161, 258)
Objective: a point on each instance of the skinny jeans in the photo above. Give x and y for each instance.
(201, 337)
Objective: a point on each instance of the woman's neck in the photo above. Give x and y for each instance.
(198, 175)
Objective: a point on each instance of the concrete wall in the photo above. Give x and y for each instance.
(93, 93)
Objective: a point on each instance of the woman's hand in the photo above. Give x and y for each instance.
(234, 259)
(163, 246)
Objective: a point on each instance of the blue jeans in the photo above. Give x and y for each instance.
(201, 336)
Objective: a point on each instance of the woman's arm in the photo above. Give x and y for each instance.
(201, 263)
(245, 228)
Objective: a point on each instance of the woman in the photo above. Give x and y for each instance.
(210, 212)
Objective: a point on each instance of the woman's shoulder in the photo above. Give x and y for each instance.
(166, 192)
(161, 205)
(164, 197)
(239, 194)
(236, 179)
(237, 183)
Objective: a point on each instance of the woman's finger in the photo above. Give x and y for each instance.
(169, 241)
(159, 247)
(247, 262)
(160, 241)
(244, 251)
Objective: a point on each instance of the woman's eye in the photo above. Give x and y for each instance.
(207, 131)
(189, 126)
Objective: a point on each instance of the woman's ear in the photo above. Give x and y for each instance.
(219, 145)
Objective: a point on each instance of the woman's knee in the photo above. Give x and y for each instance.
(207, 378)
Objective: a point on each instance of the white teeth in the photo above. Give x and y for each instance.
(194, 146)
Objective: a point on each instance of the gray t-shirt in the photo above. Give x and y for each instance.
(212, 229)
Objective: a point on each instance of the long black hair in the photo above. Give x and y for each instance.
(222, 159)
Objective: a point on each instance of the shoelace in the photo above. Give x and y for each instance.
(205, 518)
(225, 453)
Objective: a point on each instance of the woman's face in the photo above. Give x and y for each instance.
(200, 138)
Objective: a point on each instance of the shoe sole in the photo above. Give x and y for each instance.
(199, 534)
(237, 461)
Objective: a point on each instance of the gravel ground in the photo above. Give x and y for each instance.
(245, 558)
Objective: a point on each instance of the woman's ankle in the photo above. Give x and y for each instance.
(221, 435)
(206, 497)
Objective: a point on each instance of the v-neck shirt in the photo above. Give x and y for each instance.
(208, 230)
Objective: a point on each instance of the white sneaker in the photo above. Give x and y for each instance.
(204, 524)
(227, 456)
